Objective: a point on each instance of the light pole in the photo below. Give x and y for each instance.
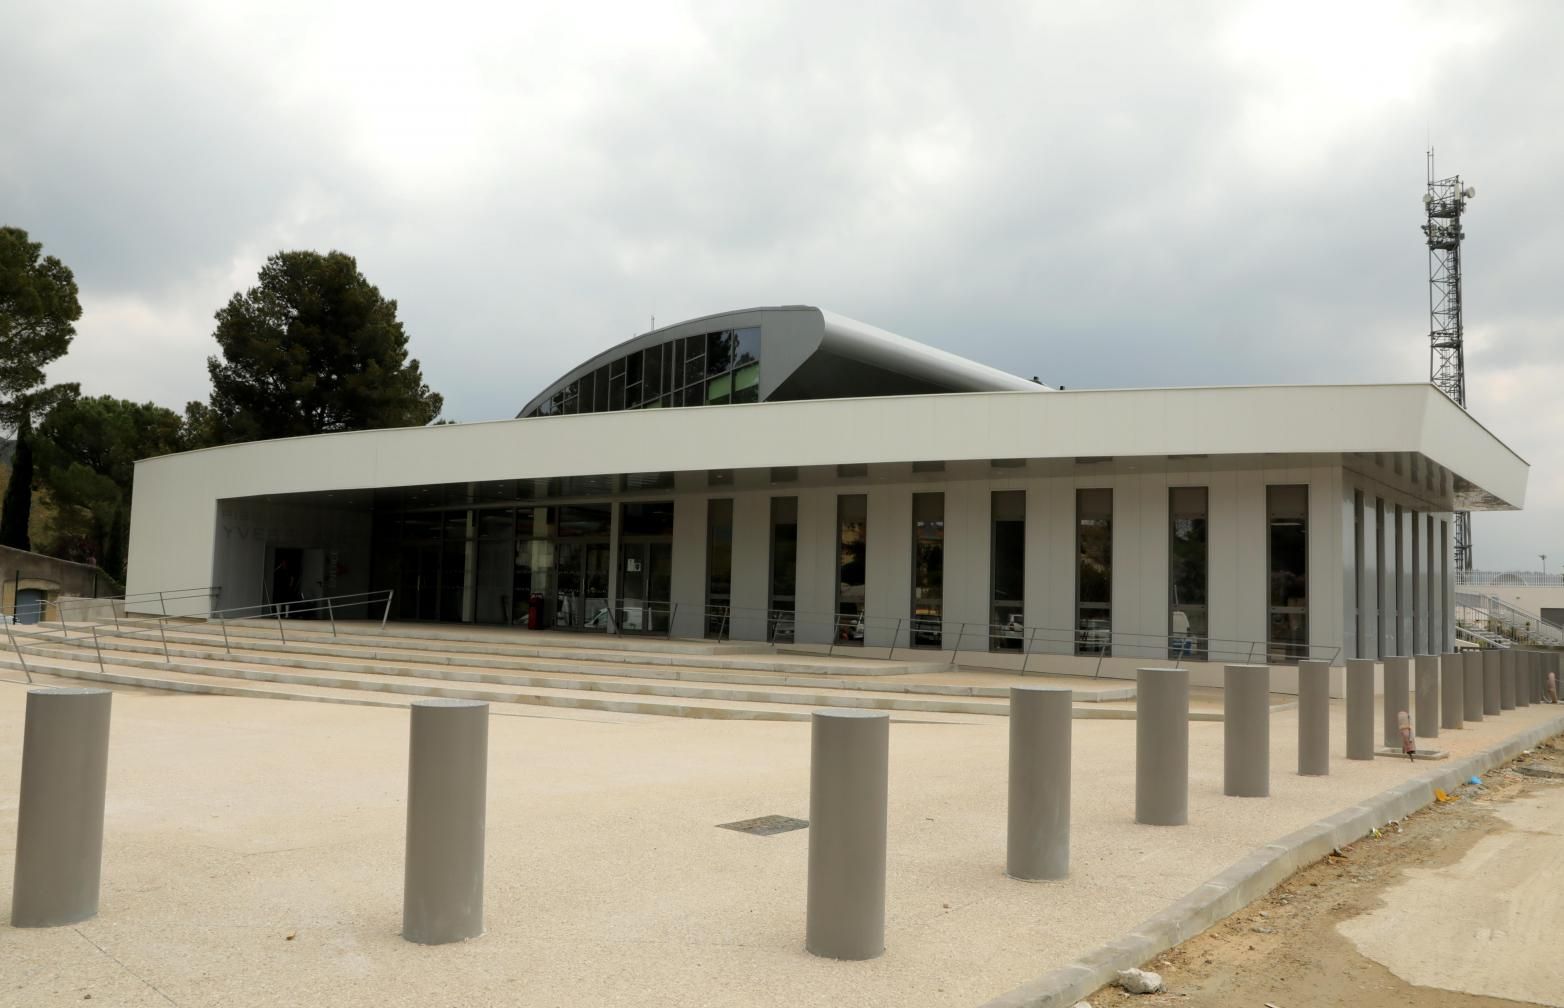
(1544, 558)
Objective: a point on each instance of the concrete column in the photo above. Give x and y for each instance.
(1426, 717)
(1038, 842)
(447, 784)
(1452, 689)
(1314, 718)
(1395, 698)
(1472, 693)
(1246, 731)
(849, 763)
(59, 820)
(1522, 679)
(1360, 708)
(1162, 746)
(1493, 682)
(1507, 679)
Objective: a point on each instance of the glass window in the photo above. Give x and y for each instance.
(1008, 546)
(1398, 544)
(1419, 638)
(1094, 572)
(646, 519)
(1358, 556)
(616, 386)
(1188, 566)
(585, 520)
(1379, 576)
(719, 566)
(784, 568)
(747, 377)
(928, 569)
(748, 350)
(652, 376)
(694, 359)
(599, 390)
(852, 524)
(719, 389)
(719, 352)
(1287, 513)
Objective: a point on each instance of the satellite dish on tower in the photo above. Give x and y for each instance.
(1428, 198)
(1469, 192)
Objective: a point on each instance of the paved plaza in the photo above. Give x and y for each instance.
(253, 856)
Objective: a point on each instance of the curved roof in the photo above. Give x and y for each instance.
(809, 353)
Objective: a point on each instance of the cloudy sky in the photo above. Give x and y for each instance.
(1098, 194)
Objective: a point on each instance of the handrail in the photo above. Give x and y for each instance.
(160, 622)
(857, 629)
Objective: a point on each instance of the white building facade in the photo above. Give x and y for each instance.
(948, 507)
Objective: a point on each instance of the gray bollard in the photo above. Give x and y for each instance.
(1426, 709)
(1507, 679)
(1395, 701)
(1493, 682)
(1246, 731)
(1472, 694)
(1522, 679)
(1360, 708)
(1162, 746)
(1313, 718)
(849, 761)
(447, 786)
(1038, 841)
(1452, 689)
(59, 816)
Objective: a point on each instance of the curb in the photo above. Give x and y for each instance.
(1257, 874)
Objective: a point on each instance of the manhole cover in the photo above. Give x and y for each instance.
(766, 825)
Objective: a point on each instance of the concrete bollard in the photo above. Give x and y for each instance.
(1452, 689)
(1522, 679)
(1395, 700)
(1162, 746)
(1426, 709)
(849, 763)
(1507, 679)
(1246, 731)
(1472, 694)
(1313, 718)
(1038, 840)
(447, 787)
(59, 816)
(1493, 682)
(1360, 708)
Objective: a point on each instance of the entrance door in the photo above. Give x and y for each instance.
(29, 606)
(287, 578)
(645, 586)
(581, 586)
(417, 594)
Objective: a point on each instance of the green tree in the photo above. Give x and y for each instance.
(38, 306)
(87, 450)
(313, 348)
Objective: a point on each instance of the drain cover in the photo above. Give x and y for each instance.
(766, 825)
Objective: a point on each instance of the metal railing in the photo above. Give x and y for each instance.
(940, 636)
(1506, 620)
(141, 627)
(1492, 578)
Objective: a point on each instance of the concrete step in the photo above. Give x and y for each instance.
(625, 695)
(571, 673)
(581, 647)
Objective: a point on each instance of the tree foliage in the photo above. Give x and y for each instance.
(87, 450)
(38, 309)
(17, 505)
(313, 348)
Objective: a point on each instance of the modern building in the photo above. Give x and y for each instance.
(791, 476)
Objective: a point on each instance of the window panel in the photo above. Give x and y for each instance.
(1287, 514)
(1188, 570)
(928, 569)
(1094, 572)
(1007, 544)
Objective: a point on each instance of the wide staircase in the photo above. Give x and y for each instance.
(392, 665)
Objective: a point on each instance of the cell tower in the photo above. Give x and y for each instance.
(1445, 201)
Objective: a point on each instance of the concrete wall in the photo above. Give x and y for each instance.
(21, 570)
(250, 531)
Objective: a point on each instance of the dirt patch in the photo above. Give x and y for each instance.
(1284, 951)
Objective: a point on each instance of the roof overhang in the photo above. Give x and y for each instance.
(1078, 427)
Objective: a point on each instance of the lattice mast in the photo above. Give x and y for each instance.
(1445, 201)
